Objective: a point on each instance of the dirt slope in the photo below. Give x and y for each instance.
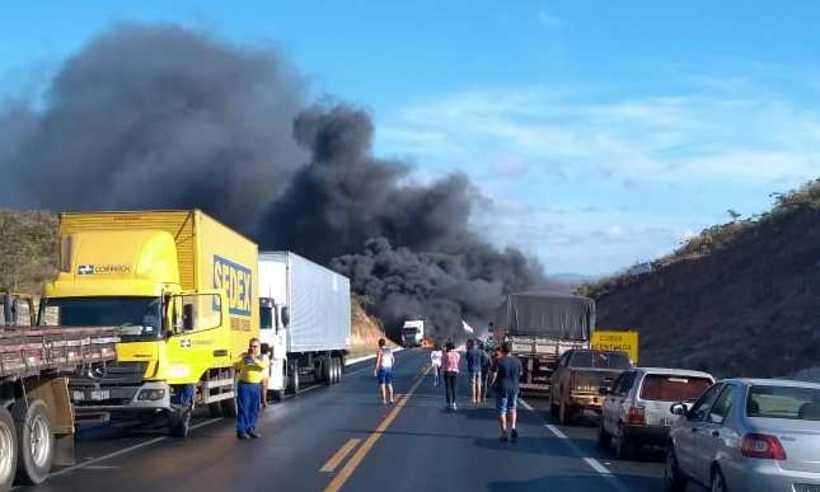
(740, 299)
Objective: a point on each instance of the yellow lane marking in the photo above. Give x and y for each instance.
(345, 473)
(340, 455)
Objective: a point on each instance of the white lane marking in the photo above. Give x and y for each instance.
(367, 357)
(526, 405)
(127, 450)
(592, 462)
(556, 431)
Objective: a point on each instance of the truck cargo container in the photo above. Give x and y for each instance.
(36, 417)
(181, 287)
(305, 321)
(541, 326)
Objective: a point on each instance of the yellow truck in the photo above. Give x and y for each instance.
(181, 287)
(617, 341)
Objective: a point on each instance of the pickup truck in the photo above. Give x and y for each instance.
(577, 380)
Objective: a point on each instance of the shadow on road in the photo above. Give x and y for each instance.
(587, 483)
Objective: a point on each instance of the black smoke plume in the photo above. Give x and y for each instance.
(158, 117)
(165, 117)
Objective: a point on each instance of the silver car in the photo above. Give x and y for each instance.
(636, 410)
(748, 434)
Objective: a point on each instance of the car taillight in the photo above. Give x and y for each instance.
(637, 416)
(762, 446)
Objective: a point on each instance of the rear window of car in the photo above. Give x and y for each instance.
(783, 402)
(600, 360)
(669, 387)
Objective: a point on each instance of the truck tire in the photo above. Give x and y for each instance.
(339, 369)
(179, 423)
(8, 449)
(604, 439)
(228, 407)
(215, 409)
(36, 441)
(329, 370)
(624, 446)
(294, 378)
(279, 396)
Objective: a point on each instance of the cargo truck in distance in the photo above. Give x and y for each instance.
(305, 321)
(36, 417)
(181, 287)
(541, 326)
(412, 333)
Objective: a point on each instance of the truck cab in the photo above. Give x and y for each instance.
(177, 343)
(412, 333)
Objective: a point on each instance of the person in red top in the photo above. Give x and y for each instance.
(450, 363)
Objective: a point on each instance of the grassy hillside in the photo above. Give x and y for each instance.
(28, 249)
(741, 298)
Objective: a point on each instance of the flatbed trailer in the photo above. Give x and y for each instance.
(36, 415)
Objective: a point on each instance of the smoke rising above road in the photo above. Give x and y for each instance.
(165, 117)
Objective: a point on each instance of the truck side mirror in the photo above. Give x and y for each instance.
(678, 409)
(265, 349)
(285, 316)
(188, 317)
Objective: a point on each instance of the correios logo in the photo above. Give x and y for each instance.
(237, 281)
(102, 269)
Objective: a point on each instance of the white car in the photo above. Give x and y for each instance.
(635, 411)
(748, 434)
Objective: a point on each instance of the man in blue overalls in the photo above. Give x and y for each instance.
(252, 371)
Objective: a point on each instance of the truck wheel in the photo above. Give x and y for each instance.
(228, 407)
(279, 396)
(180, 422)
(294, 378)
(215, 409)
(35, 442)
(339, 369)
(8, 449)
(329, 371)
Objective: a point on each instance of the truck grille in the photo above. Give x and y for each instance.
(114, 374)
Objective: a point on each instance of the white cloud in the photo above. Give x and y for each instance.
(654, 169)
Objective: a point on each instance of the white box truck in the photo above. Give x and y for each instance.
(305, 321)
(412, 333)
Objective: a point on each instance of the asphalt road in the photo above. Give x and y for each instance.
(343, 438)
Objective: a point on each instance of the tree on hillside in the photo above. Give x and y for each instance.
(28, 249)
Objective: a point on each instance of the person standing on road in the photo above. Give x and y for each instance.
(435, 361)
(450, 365)
(486, 364)
(252, 369)
(474, 370)
(384, 371)
(505, 383)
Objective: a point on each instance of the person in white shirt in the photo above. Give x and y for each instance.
(435, 361)
(384, 371)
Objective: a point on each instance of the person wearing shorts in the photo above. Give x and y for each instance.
(473, 357)
(384, 371)
(505, 383)
(435, 361)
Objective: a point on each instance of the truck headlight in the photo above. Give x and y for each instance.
(151, 395)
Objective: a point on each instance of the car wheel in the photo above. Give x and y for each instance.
(564, 414)
(624, 447)
(604, 438)
(673, 479)
(718, 482)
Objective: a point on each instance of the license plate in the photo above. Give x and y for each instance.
(99, 395)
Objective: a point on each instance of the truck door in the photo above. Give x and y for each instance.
(197, 344)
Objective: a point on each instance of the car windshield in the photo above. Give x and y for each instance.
(784, 402)
(139, 318)
(669, 387)
(600, 360)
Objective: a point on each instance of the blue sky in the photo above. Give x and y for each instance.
(600, 133)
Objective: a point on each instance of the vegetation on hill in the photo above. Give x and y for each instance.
(741, 298)
(28, 249)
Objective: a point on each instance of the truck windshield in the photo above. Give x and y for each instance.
(139, 318)
(409, 331)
